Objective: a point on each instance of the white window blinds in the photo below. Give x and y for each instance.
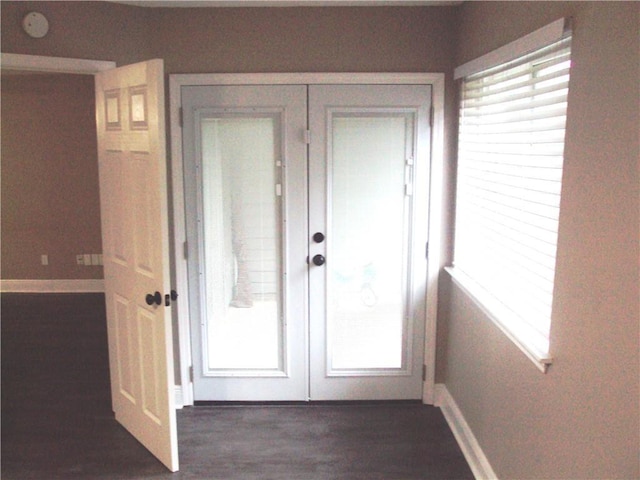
(511, 144)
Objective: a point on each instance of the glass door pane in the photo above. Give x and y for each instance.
(368, 219)
(241, 218)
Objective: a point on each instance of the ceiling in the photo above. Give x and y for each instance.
(284, 3)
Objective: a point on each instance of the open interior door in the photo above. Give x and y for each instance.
(133, 201)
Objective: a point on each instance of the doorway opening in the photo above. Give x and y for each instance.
(365, 282)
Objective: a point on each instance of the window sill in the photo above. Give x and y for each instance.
(484, 302)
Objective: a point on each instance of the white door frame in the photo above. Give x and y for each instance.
(37, 63)
(436, 80)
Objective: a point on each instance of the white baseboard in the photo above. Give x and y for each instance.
(470, 447)
(179, 398)
(52, 286)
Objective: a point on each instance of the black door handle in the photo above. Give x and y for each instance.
(318, 260)
(318, 237)
(155, 299)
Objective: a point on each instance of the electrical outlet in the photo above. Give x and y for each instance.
(44, 259)
(80, 259)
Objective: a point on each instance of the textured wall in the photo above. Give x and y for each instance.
(581, 419)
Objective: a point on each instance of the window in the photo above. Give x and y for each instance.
(510, 158)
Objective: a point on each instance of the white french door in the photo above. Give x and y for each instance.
(368, 170)
(306, 219)
(246, 203)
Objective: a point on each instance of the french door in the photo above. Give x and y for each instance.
(306, 219)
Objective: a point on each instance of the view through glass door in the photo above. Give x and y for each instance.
(307, 250)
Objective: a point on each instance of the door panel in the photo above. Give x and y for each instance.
(248, 162)
(133, 201)
(369, 153)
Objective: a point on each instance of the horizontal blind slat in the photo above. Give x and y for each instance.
(535, 90)
(555, 74)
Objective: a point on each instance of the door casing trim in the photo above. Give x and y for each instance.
(436, 80)
(39, 63)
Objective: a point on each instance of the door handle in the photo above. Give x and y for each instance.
(154, 299)
(318, 260)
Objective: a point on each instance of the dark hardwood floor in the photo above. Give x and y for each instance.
(57, 421)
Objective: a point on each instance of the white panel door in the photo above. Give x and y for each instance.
(133, 200)
(368, 197)
(245, 165)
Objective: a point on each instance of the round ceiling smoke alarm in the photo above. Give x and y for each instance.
(35, 24)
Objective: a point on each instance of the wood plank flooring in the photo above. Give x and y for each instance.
(57, 421)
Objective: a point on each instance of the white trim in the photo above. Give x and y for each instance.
(541, 361)
(435, 228)
(180, 238)
(179, 400)
(36, 63)
(181, 80)
(436, 80)
(287, 3)
(467, 441)
(533, 41)
(52, 286)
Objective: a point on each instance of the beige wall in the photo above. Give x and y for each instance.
(50, 201)
(581, 419)
(305, 39)
(93, 30)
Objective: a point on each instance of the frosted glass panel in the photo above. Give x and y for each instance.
(241, 247)
(367, 235)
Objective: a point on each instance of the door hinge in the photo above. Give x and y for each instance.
(185, 250)
(191, 373)
(426, 251)
(432, 114)
(307, 137)
(180, 117)
(424, 373)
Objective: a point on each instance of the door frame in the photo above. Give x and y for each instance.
(62, 65)
(436, 201)
(38, 63)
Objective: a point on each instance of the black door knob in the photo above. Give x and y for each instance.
(318, 260)
(318, 237)
(155, 299)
